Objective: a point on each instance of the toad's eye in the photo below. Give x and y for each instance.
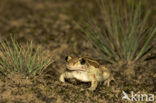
(66, 58)
(83, 61)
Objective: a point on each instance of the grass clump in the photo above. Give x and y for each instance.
(122, 34)
(25, 59)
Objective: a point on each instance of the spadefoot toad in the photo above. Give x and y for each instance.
(86, 70)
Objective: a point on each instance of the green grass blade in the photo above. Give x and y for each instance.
(146, 44)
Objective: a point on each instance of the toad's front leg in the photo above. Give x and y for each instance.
(66, 75)
(94, 84)
(93, 80)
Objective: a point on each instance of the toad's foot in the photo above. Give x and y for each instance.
(62, 78)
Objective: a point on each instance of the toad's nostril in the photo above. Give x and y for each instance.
(70, 64)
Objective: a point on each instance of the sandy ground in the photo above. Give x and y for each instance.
(50, 24)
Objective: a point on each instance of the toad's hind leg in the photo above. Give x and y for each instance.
(65, 75)
(107, 82)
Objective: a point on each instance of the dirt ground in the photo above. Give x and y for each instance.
(51, 25)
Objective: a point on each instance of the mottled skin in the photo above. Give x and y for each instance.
(86, 70)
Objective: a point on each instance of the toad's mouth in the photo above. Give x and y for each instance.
(75, 69)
